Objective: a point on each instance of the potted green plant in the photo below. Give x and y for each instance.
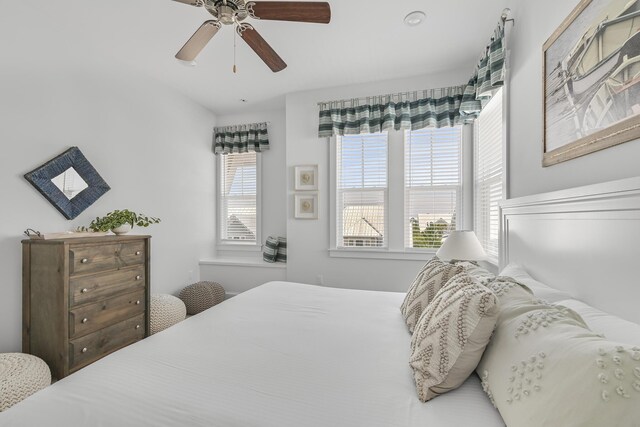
(121, 221)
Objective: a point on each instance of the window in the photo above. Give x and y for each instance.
(238, 198)
(361, 183)
(433, 185)
(400, 193)
(397, 192)
(488, 173)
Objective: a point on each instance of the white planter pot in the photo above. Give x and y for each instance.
(123, 229)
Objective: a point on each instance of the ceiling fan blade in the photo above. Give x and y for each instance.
(198, 41)
(261, 47)
(196, 3)
(299, 11)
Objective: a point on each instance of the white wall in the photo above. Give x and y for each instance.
(151, 145)
(308, 240)
(238, 277)
(535, 22)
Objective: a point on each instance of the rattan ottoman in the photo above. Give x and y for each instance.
(201, 296)
(21, 375)
(166, 310)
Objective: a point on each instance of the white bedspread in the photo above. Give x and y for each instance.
(281, 355)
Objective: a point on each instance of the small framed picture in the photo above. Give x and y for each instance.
(306, 206)
(306, 178)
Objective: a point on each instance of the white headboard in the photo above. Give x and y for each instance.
(583, 240)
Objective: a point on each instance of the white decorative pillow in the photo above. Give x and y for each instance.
(613, 327)
(451, 335)
(431, 278)
(544, 367)
(540, 289)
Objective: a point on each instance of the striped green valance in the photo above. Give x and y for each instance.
(488, 77)
(414, 110)
(241, 138)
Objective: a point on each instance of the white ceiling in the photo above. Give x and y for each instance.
(365, 41)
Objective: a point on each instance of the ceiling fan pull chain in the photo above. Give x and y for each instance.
(235, 36)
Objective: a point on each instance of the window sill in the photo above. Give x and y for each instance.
(382, 254)
(243, 263)
(239, 247)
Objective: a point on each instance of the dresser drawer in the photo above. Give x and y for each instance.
(94, 258)
(89, 318)
(89, 348)
(95, 287)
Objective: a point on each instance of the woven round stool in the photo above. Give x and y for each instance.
(21, 375)
(166, 310)
(201, 296)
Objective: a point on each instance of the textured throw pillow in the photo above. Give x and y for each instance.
(270, 250)
(282, 250)
(544, 367)
(474, 270)
(451, 335)
(431, 278)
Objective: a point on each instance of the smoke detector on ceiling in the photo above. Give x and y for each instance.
(415, 18)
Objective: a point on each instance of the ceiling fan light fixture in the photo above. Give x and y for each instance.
(188, 64)
(226, 15)
(233, 12)
(415, 18)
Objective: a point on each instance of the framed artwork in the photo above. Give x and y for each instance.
(69, 182)
(306, 178)
(591, 69)
(306, 206)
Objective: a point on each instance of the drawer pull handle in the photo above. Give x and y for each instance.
(84, 350)
(137, 326)
(138, 302)
(84, 290)
(85, 320)
(137, 252)
(84, 260)
(138, 277)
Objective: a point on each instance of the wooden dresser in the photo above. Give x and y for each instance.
(83, 298)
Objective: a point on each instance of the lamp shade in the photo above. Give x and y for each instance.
(461, 245)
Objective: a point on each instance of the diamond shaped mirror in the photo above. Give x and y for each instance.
(69, 182)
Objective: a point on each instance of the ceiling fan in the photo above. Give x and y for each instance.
(233, 12)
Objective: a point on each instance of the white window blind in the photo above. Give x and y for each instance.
(488, 170)
(237, 198)
(361, 193)
(433, 185)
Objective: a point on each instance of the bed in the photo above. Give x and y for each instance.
(290, 354)
(283, 354)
